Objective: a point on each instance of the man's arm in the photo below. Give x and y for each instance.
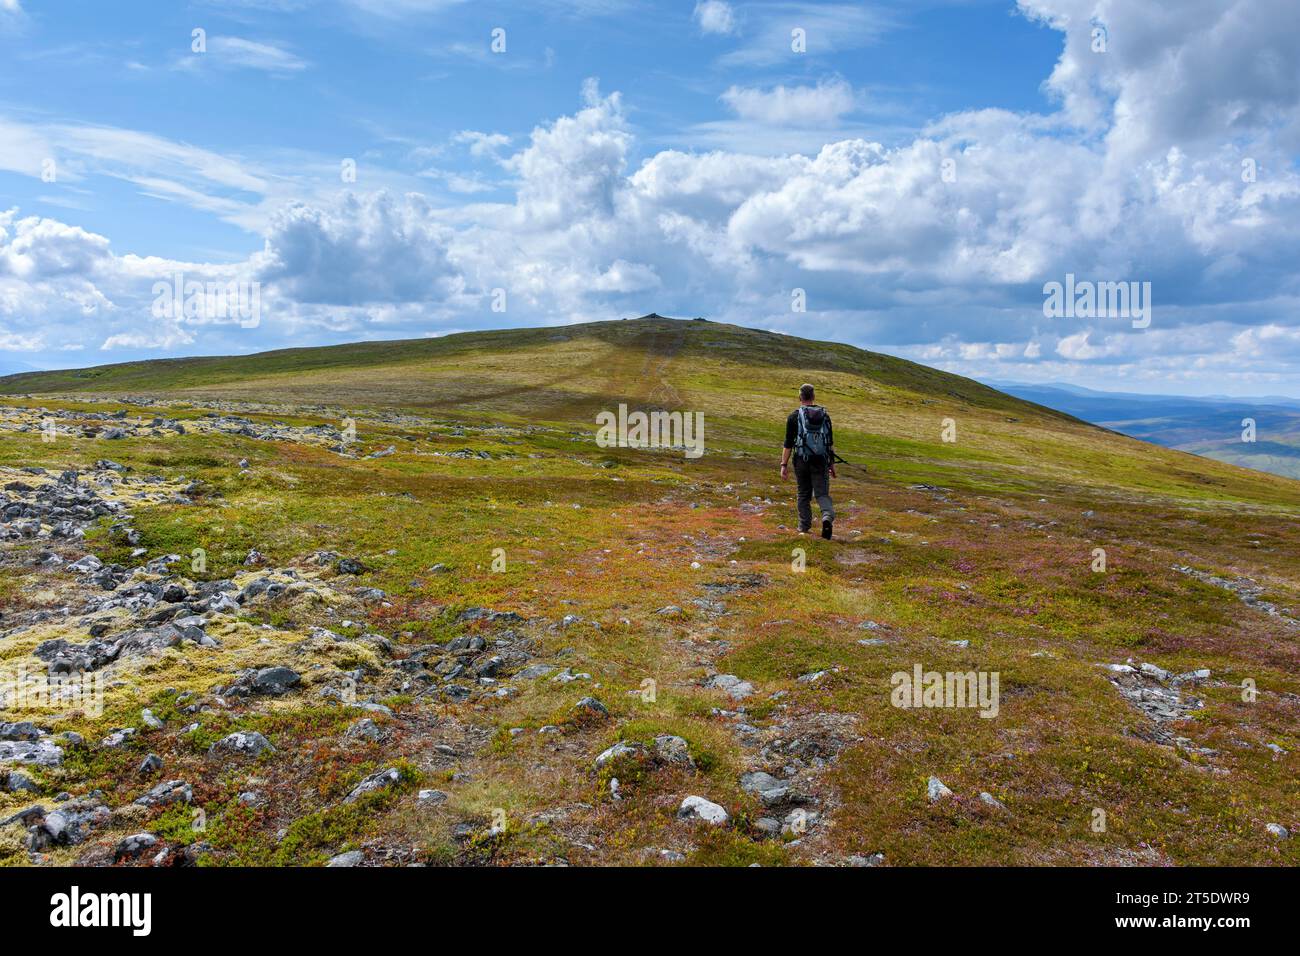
(790, 428)
(830, 447)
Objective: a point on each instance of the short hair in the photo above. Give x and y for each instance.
(806, 393)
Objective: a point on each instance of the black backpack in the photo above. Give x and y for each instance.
(813, 444)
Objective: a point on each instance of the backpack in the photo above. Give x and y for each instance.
(813, 443)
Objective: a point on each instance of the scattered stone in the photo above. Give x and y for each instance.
(151, 764)
(173, 791)
(592, 707)
(702, 810)
(736, 688)
(673, 750)
(621, 750)
(365, 729)
(766, 787)
(936, 791)
(134, 846)
(242, 743)
(351, 858)
(15, 781)
(380, 780)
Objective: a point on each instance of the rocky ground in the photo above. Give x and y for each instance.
(98, 620)
(657, 699)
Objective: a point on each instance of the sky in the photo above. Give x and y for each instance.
(908, 176)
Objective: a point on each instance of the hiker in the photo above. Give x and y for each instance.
(808, 435)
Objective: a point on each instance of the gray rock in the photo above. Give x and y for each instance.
(736, 688)
(15, 781)
(936, 791)
(672, 749)
(621, 750)
(173, 791)
(590, 705)
(365, 729)
(151, 764)
(134, 846)
(274, 681)
(698, 809)
(39, 753)
(766, 787)
(1278, 831)
(534, 671)
(22, 730)
(242, 743)
(380, 780)
(351, 858)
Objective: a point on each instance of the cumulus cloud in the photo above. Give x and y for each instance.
(937, 248)
(573, 168)
(715, 16)
(34, 249)
(367, 249)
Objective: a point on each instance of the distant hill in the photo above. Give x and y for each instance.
(889, 412)
(1204, 426)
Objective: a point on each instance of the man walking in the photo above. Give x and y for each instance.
(808, 436)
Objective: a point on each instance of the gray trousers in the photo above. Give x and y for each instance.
(812, 480)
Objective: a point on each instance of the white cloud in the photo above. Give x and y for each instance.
(42, 249)
(574, 168)
(818, 105)
(369, 248)
(827, 28)
(482, 145)
(715, 16)
(937, 248)
(230, 51)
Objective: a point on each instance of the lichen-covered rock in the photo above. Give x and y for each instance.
(242, 743)
(380, 780)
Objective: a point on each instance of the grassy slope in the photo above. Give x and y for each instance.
(999, 558)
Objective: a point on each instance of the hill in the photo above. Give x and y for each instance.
(1212, 427)
(392, 602)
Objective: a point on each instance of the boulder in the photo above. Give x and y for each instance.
(698, 809)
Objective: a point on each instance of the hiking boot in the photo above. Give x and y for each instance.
(826, 528)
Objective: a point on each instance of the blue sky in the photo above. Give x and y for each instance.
(920, 170)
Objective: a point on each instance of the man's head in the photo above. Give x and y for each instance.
(806, 393)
